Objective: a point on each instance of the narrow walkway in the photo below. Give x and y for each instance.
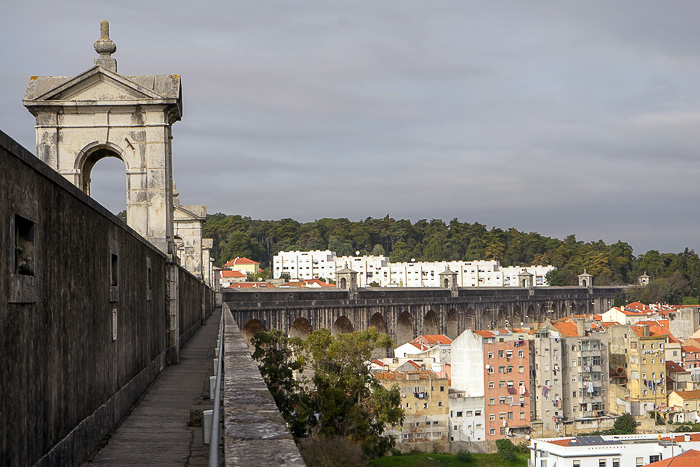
(156, 432)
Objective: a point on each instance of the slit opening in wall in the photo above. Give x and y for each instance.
(24, 257)
(114, 270)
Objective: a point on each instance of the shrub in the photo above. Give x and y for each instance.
(506, 445)
(509, 456)
(332, 451)
(464, 456)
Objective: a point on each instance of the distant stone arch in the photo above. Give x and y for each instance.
(301, 327)
(500, 318)
(430, 323)
(377, 321)
(531, 315)
(249, 330)
(404, 328)
(452, 324)
(518, 316)
(343, 283)
(342, 325)
(470, 319)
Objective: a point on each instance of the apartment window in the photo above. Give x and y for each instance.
(492, 401)
(442, 388)
(492, 417)
(501, 369)
(509, 354)
(633, 345)
(500, 354)
(639, 462)
(490, 370)
(439, 404)
(468, 414)
(425, 405)
(521, 369)
(654, 458)
(602, 463)
(510, 415)
(616, 463)
(492, 385)
(502, 400)
(503, 430)
(501, 384)
(644, 346)
(492, 432)
(522, 415)
(521, 354)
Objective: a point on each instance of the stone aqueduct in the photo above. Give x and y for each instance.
(407, 313)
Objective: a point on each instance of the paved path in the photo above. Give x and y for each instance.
(156, 431)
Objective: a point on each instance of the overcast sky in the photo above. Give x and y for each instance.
(559, 117)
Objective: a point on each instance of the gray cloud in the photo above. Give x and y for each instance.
(573, 117)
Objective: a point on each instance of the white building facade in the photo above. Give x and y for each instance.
(379, 270)
(609, 450)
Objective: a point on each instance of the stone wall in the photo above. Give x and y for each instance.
(83, 322)
(196, 303)
(255, 433)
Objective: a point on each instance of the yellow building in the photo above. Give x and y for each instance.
(425, 401)
(687, 401)
(243, 265)
(639, 356)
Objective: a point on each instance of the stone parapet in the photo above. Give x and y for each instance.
(255, 433)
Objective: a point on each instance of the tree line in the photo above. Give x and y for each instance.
(674, 275)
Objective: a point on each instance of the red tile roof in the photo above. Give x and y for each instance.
(685, 395)
(566, 329)
(687, 459)
(434, 339)
(235, 261)
(249, 285)
(689, 348)
(485, 333)
(674, 367)
(226, 273)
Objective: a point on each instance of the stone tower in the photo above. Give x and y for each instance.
(100, 113)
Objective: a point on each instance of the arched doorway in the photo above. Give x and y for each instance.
(452, 324)
(342, 325)
(301, 327)
(430, 323)
(404, 328)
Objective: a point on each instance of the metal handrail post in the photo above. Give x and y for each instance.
(214, 441)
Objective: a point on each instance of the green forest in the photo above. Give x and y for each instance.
(675, 276)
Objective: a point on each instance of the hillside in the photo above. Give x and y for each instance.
(674, 275)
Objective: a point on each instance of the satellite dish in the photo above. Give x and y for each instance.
(488, 366)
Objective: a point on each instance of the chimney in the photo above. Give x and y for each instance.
(580, 327)
(646, 331)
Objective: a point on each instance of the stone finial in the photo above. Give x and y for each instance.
(105, 47)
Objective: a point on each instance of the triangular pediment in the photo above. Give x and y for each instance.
(97, 84)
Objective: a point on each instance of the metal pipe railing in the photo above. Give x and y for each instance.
(215, 436)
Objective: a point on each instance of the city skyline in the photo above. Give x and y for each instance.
(562, 119)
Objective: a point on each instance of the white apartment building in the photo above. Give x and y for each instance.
(610, 450)
(380, 270)
(300, 265)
